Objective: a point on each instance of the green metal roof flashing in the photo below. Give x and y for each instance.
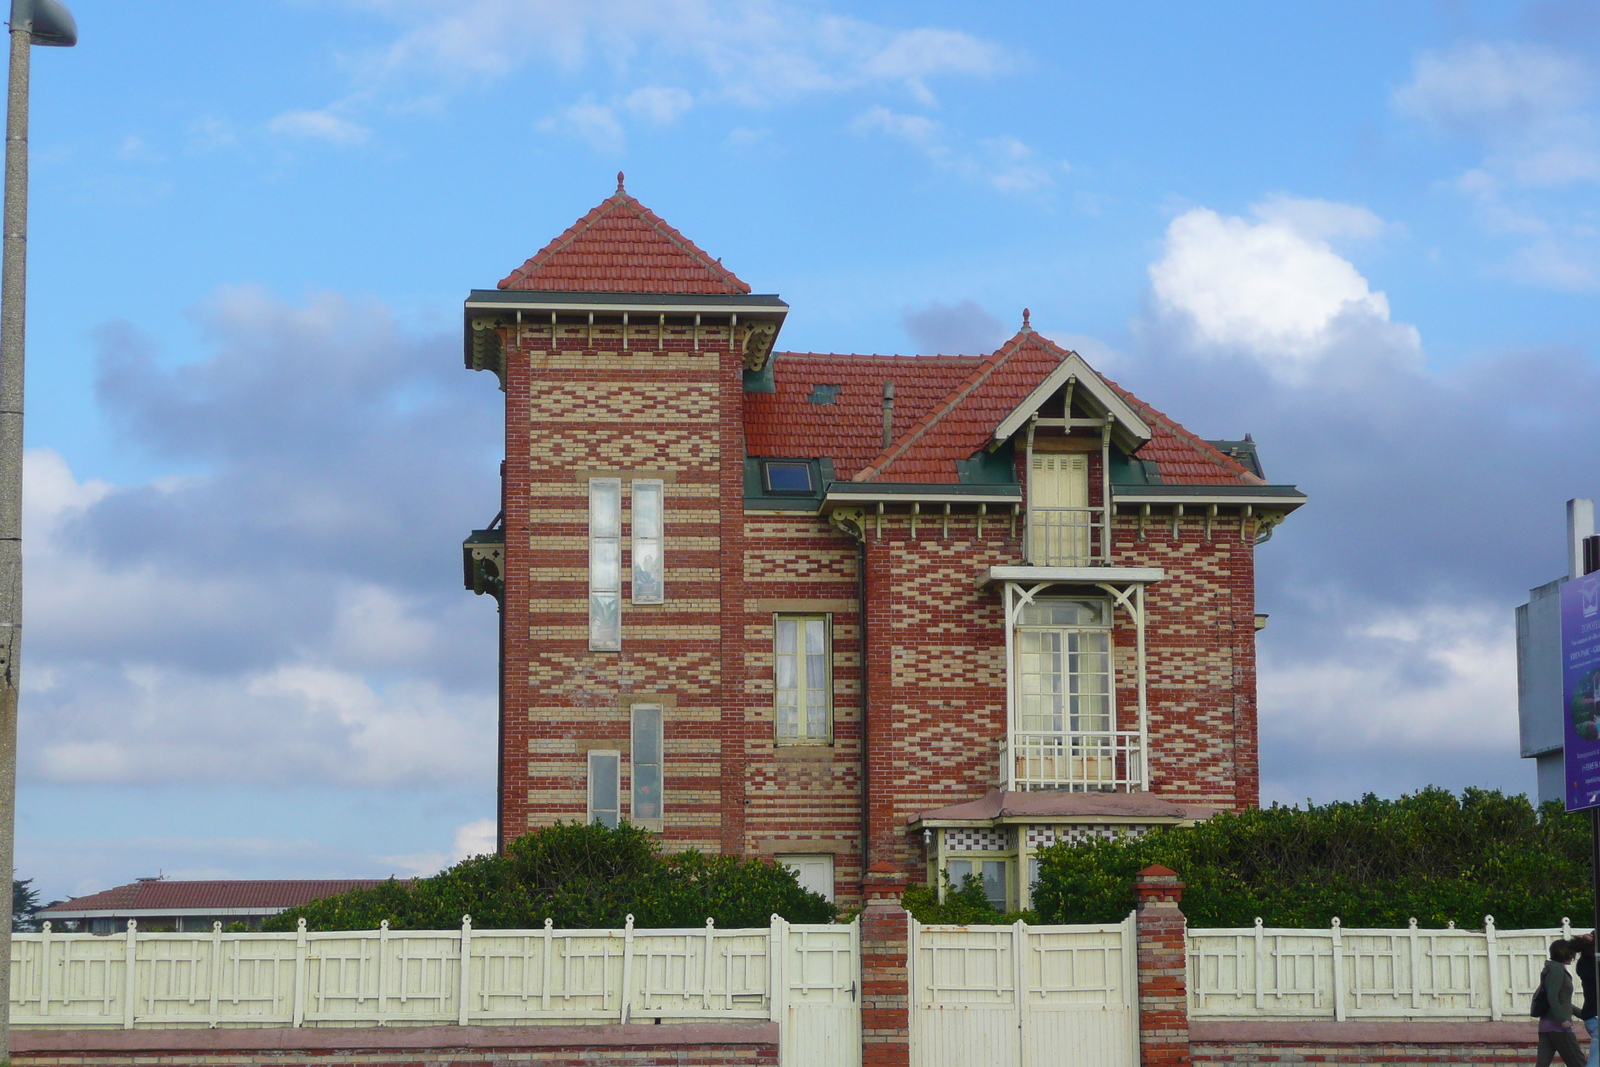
(1126, 470)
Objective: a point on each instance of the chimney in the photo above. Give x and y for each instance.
(888, 413)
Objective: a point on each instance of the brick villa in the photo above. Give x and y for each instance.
(839, 610)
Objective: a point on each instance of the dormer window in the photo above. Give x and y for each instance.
(787, 477)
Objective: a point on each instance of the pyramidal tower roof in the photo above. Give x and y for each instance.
(623, 247)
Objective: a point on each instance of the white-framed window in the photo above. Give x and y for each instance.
(1063, 649)
(648, 565)
(802, 680)
(1059, 517)
(814, 870)
(605, 786)
(644, 763)
(991, 871)
(605, 564)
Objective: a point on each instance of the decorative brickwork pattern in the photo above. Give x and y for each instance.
(885, 980)
(1163, 992)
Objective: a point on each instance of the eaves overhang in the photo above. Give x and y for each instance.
(763, 305)
(487, 309)
(1276, 497)
(854, 493)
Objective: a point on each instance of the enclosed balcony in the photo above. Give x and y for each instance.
(1076, 761)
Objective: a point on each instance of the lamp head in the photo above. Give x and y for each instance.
(48, 21)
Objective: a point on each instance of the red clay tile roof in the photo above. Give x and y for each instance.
(1180, 456)
(623, 247)
(848, 431)
(946, 409)
(162, 894)
(963, 422)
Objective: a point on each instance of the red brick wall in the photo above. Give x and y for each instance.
(935, 670)
(1364, 1043)
(690, 1045)
(576, 403)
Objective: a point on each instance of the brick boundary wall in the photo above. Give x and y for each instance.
(1163, 969)
(682, 1045)
(885, 979)
(1364, 1044)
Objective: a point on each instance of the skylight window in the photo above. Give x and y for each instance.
(787, 477)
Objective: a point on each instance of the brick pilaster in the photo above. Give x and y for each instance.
(1163, 979)
(885, 985)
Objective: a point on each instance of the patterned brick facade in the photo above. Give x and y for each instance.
(644, 379)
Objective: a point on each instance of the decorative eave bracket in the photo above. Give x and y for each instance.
(483, 560)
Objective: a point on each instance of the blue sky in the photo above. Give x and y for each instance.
(1365, 233)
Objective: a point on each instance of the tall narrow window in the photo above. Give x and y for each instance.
(646, 766)
(802, 679)
(647, 561)
(1059, 517)
(605, 785)
(1064, 694)
(605, 564)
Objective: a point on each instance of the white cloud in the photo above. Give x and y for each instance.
(1441, 676)
(1495, 88)
(1531, 108)
(1005, 164)
(661, 105)
(751, 50)
(592, 122)
(1272, 289)
(291, 614)
(475, 838)
(322, 125)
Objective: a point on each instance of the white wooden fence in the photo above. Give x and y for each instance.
(805, 977)
(1023, 996)
(1263, 973)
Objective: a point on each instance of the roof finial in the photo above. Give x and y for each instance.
(1025, 325)
(620, 189)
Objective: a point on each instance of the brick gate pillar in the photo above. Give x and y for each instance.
(885, 985)
(1163, 977)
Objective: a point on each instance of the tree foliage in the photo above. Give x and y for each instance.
(1372, 862)
(582, 877)
(964, 905)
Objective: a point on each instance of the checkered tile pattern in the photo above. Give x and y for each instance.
(977, 840)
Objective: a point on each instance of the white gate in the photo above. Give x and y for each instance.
(1024, 996)
(816, 992)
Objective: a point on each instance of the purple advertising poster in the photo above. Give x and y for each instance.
(1580, 677)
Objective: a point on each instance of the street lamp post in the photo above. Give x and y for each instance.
(32, 22)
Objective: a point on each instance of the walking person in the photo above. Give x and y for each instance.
(1591, 1008)
(1555, 1022)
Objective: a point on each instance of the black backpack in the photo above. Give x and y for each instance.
(1541, 1001)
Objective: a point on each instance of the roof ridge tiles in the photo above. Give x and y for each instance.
(952, 400)
(613, 265)
(1183, 434)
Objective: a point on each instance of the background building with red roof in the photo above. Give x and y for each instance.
(938, 611)
(174, 905)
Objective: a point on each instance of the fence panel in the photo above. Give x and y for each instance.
(819, 990)
(414, 977)
(1411, 973)
(1019, 995)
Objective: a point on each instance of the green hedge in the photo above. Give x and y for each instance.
(583, 877)
(1372, 862)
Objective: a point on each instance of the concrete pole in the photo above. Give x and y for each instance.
(13, 295)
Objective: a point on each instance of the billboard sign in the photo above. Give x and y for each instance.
(1580, 689)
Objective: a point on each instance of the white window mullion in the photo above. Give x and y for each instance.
(605, 564)
(648, 564)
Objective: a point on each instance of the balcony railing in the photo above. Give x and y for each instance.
(1065, 537)
(1099, 762)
